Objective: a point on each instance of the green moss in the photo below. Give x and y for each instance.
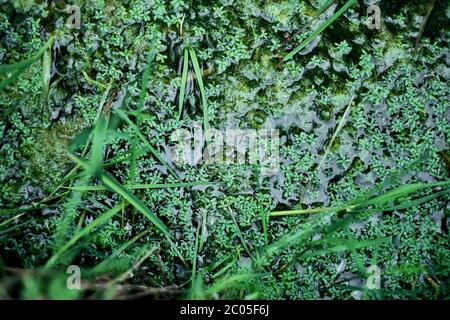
(397, 125)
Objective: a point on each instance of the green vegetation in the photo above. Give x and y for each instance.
(87, 178)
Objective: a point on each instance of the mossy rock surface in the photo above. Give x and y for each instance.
(394, 97)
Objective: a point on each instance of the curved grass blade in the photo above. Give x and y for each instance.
(194, 265)
(93, 82)
(230, 282)
(224, 269)
(341, 124)
(140, 106)
(114, 185)
(319, 30)
(26, 209)
(99, 268)
(21, 67)
(110, 182)
(347, 245)
(378, 200)
(144, 186)
(322, 9)
(46, 74)
(240, 235)
(402, 191)
(198, 76)
(292, 238)
(155, 153)
(183, 82)
(84, 138)
(103, 218)
(308, 211)
(146, 78)
(26, 63)
(80, 139)
(15, 218)
(98, 143)
(411, 203)
(12, 78)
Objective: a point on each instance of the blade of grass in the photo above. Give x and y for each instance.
(155, 153)
(140, 107)
(146, 78)
(26, 209)
(411, 203)
(101, 267)
(7, 232)
(110, 182)
(423, 25)
(26, 63)
(292, 238)
(194, 264)
(93, 82)
(22, 66)
(11, 219)
(321, 28)
(336, 132)
(145, 186)
(309, 211)
(234, 281)
(403, 191)
(183, 82)
(378, 200)
(204, 232)
(103, 218)
(12, 78)
(85, 138)
(214, 265)
(175, 249)
(98, 143)
(241, 237)
(322, 9)
(114, 185)
(80, 139)
(265, 222)
(224, 269)
(347, 245)
(198, 76)
(46, 74)
(127, 273)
